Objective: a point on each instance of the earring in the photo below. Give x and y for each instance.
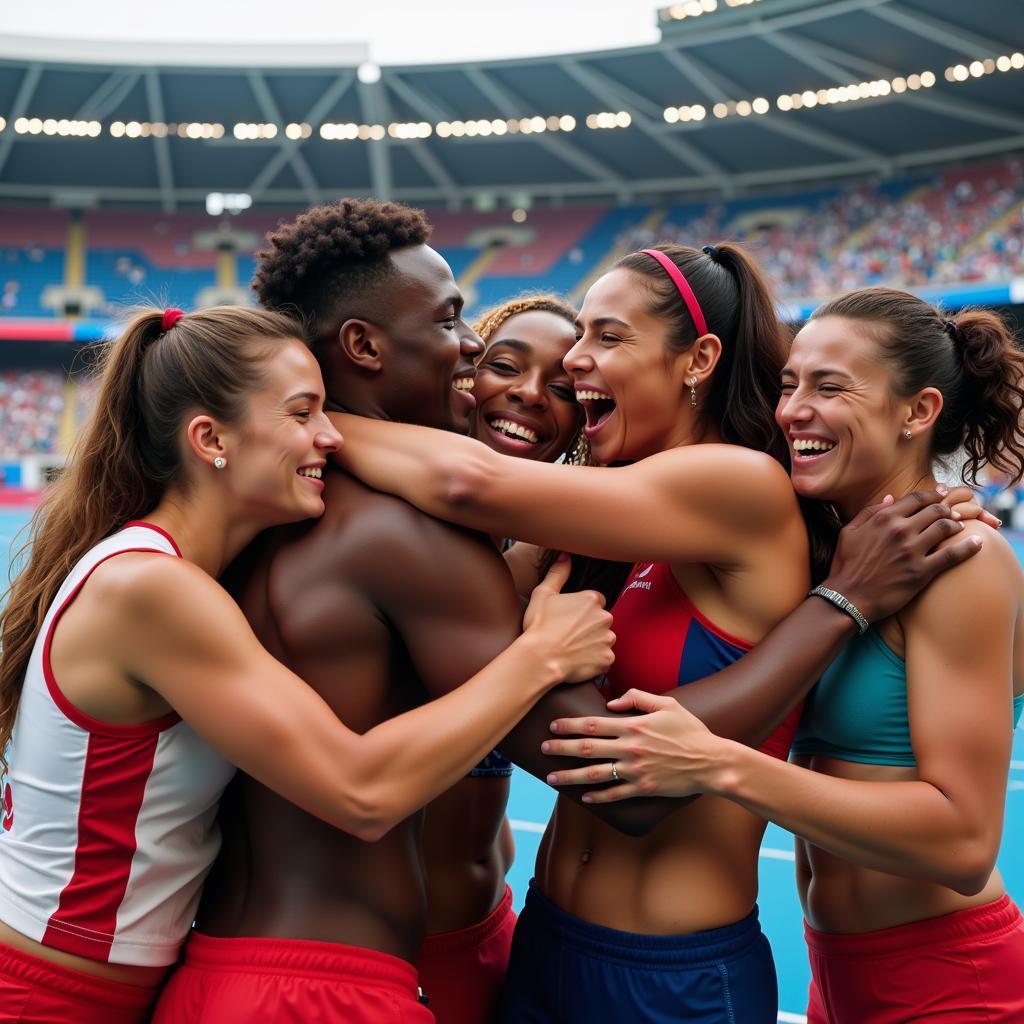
(693, 392)
(907, 434)
(220, 462)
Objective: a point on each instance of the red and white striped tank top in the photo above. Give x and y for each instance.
(108, 830)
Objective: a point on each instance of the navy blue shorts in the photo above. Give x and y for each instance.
(567, 971)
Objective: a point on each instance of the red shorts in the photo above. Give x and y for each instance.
(462, 972)
(36, 991)
(960, 968)
(289, 981)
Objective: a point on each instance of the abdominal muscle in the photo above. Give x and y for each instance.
(842, 897)
(696, 871)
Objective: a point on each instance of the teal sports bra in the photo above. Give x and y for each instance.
(858, 709)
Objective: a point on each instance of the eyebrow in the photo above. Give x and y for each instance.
(818, 374)
(310, 396)
(456, 301)
(604, 321)
(519, 346)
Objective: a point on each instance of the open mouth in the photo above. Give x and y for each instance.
(811, 448)
(515, 431)
(312, 472)
(597, 407)
(464, 383)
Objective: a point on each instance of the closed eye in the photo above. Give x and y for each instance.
(501, 367)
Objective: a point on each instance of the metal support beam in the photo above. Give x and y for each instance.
(290, 147)
(374, 105)
(510, 105)
(106, 98)
(260, 184)
(424, 103)
(646, 116)
(935, 30)
(23, 97)
(161, 150)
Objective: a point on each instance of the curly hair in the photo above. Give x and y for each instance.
(331, 254)
(488, 323)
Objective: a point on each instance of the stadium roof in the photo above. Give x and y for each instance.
(737, 95)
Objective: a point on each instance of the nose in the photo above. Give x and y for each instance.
(792, 409)
(577, 359)
(328, 439)
(529, 390)
(470, 344)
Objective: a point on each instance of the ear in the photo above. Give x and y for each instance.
(923, 410)
(362, 344)
(204, 437)
(703, 355)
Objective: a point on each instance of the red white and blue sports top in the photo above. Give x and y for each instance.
(662, 641)
(109, 830)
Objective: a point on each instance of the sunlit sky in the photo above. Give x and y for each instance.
(397, 31)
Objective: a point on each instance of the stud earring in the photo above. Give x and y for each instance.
(907, 434)
(220, 462)
(693, 392)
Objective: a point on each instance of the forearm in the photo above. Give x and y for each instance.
(749, 699)
(415, 463)
(906, 828)
(635, 817)
(407, 761)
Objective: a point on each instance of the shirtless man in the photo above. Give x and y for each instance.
(378, 607)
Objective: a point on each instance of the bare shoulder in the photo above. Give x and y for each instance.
(142, 582)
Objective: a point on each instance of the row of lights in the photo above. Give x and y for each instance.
(163, 130)
(51, 126)
(695, 8)
(980, 68)
(247, 131)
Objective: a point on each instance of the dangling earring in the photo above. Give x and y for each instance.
(220, 462)
(907, 434)
(693, 392)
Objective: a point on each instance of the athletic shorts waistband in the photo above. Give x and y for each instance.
(474, 935)
(990, 920)
(331, 961)
(651, 951)
(72, 984)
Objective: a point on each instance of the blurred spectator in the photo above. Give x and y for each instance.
(31, 405)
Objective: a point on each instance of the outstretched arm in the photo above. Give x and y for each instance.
(944, 826)
(178, 631)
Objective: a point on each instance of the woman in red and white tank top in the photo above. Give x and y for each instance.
(131, 684)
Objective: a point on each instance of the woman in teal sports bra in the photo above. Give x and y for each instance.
(897, 790)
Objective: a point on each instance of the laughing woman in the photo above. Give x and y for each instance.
(676, 365)
(898, 791)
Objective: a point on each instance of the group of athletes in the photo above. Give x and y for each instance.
(274, 608)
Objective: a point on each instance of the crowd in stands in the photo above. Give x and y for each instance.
(31, 407)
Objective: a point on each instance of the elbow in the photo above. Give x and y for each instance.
(463, 480)
(969, 872)
(367, 815)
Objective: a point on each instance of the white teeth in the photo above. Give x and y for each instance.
(311, 471)
(802, 445)
(515, 430)
(464, 384)
(588, 396)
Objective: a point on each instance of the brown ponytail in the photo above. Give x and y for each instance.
(971, 359)
(128, 453)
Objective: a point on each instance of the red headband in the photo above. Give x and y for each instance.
(170, 318)
(684, 289)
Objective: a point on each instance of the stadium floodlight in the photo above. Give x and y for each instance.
(218, 203)
(368, 73)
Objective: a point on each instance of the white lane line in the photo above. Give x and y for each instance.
(792, 1018)
(1017, 766)
(518, 825)
(1011, 786)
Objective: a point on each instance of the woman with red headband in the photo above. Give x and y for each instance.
(677, 368)
(131, 684)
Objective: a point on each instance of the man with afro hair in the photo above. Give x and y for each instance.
(379, 607)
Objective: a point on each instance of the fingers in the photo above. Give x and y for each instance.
(585, 746)
(912, 503)
(954, 554)
(986, 517)
(557, 575)
(611, 795)
(937, 532)
(589, 726)
(639, 700)
(597, 774)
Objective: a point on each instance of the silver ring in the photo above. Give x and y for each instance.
(615, 772)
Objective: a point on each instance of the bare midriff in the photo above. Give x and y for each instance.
(696, 871)
(125, 974)
(842, 897)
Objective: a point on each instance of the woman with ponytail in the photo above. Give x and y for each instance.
(897, 791)
(676, 366)
(131, 684)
